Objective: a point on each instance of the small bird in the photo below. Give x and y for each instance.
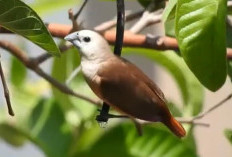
(120, 83)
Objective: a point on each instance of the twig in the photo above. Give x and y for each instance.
(110, 24)
(212, 108)
(42, 58)
(184, 121)
(6, 91)
(73, 17)
(80, 10)
(147, 19)
(203, 114)
(74, 22)
(29, 63)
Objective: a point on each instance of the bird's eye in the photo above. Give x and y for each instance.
(86, 39)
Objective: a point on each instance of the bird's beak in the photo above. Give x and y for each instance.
(74, 39)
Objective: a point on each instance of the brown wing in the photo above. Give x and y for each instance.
(128, 89)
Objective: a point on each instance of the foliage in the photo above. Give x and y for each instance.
(18, 17)
(203, 51)
(62, 125)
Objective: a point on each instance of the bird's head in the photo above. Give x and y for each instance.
(91, 44)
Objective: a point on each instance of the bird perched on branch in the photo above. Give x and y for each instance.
(121, 84)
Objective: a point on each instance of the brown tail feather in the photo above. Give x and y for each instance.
(175, 127)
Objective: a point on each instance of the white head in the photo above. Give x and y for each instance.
(91, 44)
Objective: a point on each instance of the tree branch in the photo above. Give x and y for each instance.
(6, 91)
(147, 19)
(29, 63)
(130, 39)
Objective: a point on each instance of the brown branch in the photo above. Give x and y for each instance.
(29, 63)
(6, 91)
(130, 39)
(42, 58)
(203, 114)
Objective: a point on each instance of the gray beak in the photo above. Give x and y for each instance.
(72, 36)
(74, 39)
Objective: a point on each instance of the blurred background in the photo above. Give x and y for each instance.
(49, 123)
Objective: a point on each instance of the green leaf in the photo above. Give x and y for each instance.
(17, 17)
(49, 129)
(190, 88)
(123, 139)
(18, 72)
(202, 39)
(228, 134)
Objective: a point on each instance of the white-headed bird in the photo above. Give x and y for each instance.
(120, 83)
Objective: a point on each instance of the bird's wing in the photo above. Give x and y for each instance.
(145, 78)
(128, 89)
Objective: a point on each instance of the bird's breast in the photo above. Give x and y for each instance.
(89, 69)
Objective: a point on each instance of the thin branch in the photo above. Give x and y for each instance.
(212, 108)
(6, 91)
(72, 18)
(42, 58)
(29, 63)
(203, 114)
(80, 10)
(147, 19)
(184, 121)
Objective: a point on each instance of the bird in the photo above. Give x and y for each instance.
(120, 83)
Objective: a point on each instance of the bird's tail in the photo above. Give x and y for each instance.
(175, 126)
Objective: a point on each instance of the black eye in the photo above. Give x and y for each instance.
(86, 39)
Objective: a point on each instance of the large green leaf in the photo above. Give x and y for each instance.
(190, 88)
(200, 30)
(123, 140)
(18, 17)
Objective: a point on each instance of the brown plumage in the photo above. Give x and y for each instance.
(124, 86)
